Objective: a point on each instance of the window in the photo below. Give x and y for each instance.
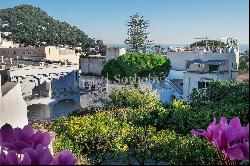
(202, 84)
(213, 67)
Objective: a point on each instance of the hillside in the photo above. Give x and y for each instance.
(33, 26)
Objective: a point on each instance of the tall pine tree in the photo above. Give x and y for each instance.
(137, 35)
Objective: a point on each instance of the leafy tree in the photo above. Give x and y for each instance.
(137, 36)
(135, 63)
(208, 42)
(244, 61)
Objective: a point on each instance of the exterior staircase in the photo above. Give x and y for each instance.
(177, 92)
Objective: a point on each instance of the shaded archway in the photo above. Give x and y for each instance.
(63, 108)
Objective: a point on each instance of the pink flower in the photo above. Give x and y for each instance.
(18, 139)
(31, 146)
(232, 139)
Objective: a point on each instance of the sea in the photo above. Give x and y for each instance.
(243, 47)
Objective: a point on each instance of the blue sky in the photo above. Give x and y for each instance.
(171, 21)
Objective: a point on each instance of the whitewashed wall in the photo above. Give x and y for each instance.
(14, 108)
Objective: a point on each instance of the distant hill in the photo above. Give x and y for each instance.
(33, 26)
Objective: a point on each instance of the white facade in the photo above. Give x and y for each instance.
(191, 69)
(113, 52)
(4, 43)
(13, 109)
(49, 90)
(93, 64)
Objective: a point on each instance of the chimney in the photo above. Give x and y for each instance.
(11, 61)
(2, 59)
(17, 58)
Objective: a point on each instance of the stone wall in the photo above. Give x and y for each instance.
(113, 52)
(92, 65)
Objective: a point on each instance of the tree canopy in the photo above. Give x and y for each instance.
(209, 43)
(137, 63)
(137, 35)
(244, 61)
(32, 26)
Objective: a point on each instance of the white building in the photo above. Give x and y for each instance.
(5, 43)
(113, 52)
(13, 109)
(49, 90)
(93, 64)
(196, 68)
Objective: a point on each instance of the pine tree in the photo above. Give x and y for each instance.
(137, 35)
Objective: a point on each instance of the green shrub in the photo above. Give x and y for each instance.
(209, 43)
(221, 98)
(93, 135)
(137, 63)
(225, 92)
(143, 107)
(192, 150)
(134, 124)
(97, 136)
(133, 98)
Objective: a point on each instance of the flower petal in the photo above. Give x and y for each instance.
(45, 139)
(19, 145)
(233, 153)
(7, 133)
(235, 123)
(3, 160)
(198, 131)
(26, 160)
(28, 130)
(230, 134)
(12, 158)
(244, 147)
(46, 157)
(64, 158)
(223, 120)
(1, 140)
(33, 154)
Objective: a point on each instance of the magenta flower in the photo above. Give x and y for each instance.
(232, 139)
(12, 159)
(39, 156)
(18, 139)
(26, 147)
(64, 158)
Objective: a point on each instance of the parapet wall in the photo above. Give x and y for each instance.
(113, 52)
(92, 65)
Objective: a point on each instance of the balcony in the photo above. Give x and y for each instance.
(210, 66)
